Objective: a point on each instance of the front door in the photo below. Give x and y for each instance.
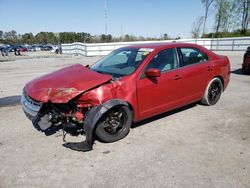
(159, 94)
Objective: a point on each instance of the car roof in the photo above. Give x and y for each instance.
(162, 45)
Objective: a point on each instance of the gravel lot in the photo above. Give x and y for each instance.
(195, 146)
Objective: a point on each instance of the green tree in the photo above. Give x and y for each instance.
(109, 38)
(206, 4)
(28, 38)
(46, 37)
(130, 38)
(221, 14)
(103, 38)
(232, 16)
(1, 35)
(196, 31)
(243, 7)
(41, 38)
(10, 37)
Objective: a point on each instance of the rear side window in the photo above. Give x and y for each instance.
(192, 56)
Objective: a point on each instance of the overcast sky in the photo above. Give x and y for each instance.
(137, 17)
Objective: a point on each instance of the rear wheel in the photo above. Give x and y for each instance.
(114, 124)
(213, 92)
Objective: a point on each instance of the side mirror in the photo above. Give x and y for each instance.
(153, 72)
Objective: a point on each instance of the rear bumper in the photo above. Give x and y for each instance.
(30, 107)
(246, 61)
(246, 66)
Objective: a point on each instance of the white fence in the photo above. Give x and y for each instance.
(99, 49)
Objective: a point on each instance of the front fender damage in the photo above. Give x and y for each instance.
(92, 117)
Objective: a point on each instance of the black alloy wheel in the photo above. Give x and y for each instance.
(213, 92)
(115, 124)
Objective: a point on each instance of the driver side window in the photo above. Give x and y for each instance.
(165, 60)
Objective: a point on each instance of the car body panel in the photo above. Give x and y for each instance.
(194, 80)
(158, 94)
(189, 86)
(64, 84)
(123, 89)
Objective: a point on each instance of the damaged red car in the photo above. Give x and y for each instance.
(128, 85)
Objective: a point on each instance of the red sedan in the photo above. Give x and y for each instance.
(22, 49)
(128, 85)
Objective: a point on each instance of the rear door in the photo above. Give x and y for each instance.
(197, 72)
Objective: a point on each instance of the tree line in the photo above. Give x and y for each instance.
(12, 37)
(231, 19)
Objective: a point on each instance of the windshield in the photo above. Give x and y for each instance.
(122, 62)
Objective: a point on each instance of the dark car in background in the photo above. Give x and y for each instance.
(246, 62)
(31, 48)
(10, 48)
(20, 48)
(4, 50)
(46, 47)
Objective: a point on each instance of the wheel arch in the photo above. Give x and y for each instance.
(205, 99)
(221, 79)
(96, 112)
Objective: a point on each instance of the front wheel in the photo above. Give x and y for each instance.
(213, 92)
(114, 124)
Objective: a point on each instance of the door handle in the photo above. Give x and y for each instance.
(209, 68)
(177, 77)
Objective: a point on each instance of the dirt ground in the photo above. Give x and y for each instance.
(30, 55)
(195, 146)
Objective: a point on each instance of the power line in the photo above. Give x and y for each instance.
(106, 18)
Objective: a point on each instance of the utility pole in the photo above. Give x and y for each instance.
(106, 18)
(121, 32)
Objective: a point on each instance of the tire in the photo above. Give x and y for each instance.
(213, 92)
(245, 71)
(114, 124)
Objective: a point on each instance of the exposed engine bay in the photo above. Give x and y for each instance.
(53, 117)
(50, 117)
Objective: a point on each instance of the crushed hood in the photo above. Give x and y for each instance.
(63, 85)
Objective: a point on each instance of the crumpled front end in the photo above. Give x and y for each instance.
(63, 85)
(49, 101)
(50, 117)
(75, 112)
